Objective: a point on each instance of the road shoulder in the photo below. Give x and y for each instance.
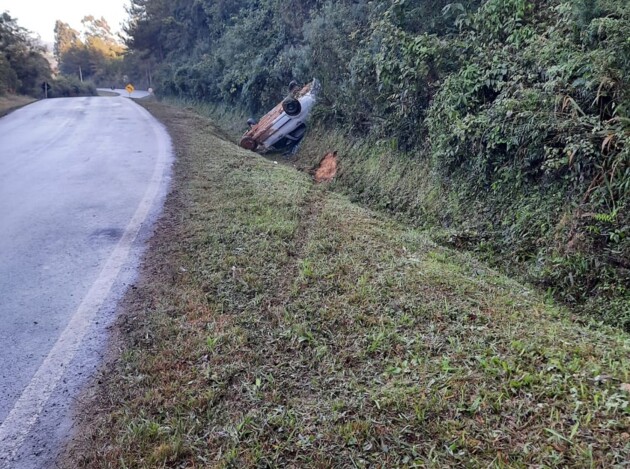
(10, 103)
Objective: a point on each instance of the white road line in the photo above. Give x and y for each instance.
(28, 407)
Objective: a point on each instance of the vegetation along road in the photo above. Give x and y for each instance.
(277, 324)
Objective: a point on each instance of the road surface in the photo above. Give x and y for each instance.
(81, 179)
(135, 94)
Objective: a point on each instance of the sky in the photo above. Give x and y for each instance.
(39, 16)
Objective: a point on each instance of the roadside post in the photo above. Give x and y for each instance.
(45, 88)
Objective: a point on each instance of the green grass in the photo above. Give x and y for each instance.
(526, 231)
(278, 325)
(109, 94)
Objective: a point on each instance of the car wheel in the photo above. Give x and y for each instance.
(249, 143)
(291, 106)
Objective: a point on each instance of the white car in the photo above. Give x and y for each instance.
(283, 126)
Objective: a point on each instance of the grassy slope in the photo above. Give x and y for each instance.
(12, 102)
(277, 324)
(523, 230)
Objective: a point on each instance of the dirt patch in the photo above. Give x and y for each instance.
(328, 168)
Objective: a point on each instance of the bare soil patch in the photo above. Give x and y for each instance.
(328, 168)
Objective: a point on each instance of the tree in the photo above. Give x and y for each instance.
(95, 53)
(66, 38)
(9, 81)
(23, 65)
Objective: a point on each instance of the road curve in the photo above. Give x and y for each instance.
(135, 94)
(80, 181)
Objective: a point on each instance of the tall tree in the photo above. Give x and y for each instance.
(95, 52)
(66, 38)
(23, 65)
(98, 37)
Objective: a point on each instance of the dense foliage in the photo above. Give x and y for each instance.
(95, 54)
(23, 65)
(516, 108)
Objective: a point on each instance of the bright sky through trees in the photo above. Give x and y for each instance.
(39, 16)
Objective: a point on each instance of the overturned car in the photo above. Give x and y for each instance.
(284, 126)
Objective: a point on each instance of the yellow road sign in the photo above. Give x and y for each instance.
(129, 88)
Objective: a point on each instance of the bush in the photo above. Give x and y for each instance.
(69, 87)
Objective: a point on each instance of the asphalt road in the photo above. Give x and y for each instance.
(81, 180)
(135, 94)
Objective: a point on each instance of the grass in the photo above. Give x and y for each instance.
(276, 324)
(11, 102)
(109, 94)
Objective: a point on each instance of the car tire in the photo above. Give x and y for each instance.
(248, 143)
(291, 107)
